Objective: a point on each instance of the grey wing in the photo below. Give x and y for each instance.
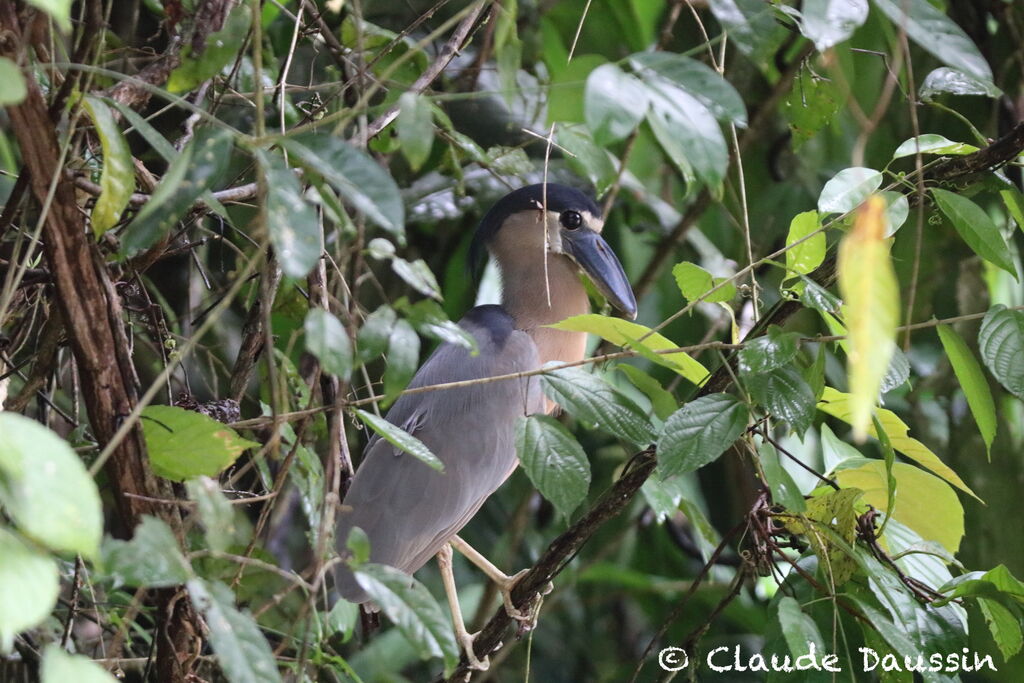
(409, 510)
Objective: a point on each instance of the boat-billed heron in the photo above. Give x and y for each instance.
(541, 240)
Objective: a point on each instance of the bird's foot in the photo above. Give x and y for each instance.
(527, 617)
(475, 663)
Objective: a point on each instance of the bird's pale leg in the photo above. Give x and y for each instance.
(444, 562)
(504, 582)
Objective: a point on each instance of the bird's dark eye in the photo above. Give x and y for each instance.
(570, 220)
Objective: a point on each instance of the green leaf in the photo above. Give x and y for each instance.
(830, 22)
(183, 444)
(996, 581)
(835, 451)
(768, 352)
(614, 103)
(973, 382)
(412, 609)
(798, 629)
(295, 231)
(1014, 202)
(629, 334)
(400, 439)
(784, 490)
(430, 319)
(221, 49)
(784, 393)
(356, 176)
(810, 106)
(59, 10)
(806, 256)
(150, 559)
(215, 510)
(61, 667)
(327, 339)
(243, 654)
(946, 80)
(403, 357)
(417, 274)
(694, 282)
(936, 33)
(46, 490)
(925, 504)
(415, 128)
(685, 126)
(976, 228)
(585, 157)
(554, 461)
(29, 585)
(752, 25)
(817, 297)
(193, 172)
(1001, 343)
(662, 402)
(830, 526)
(932, 144)
(897, 208)
(372, 339)
(699, 432)
(1004, 627)
(12, 83)
(589, 397)
(848, 189)
(697, 79)
(837, 404)
(118, 178)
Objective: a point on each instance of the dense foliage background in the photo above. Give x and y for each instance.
(257, 214)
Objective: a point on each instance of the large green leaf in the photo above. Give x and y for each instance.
(614, 103)
(151, 559)
(62, 667)
(412, 609)
(118, 178)
(932, 144)
(1004, 627)
(699, 432)
(183, 444)
(1001, 343)
(786, 395)
(222, 48)
(784, 490)
(294, 229)
(589, 397)
(215, 511)
(357, 177)
(935, 32)
(837, 404)
(45, 488)
(29, 584)
(697, 79)
(848, 189)
(586, 157)
(400, 439)
(926, 504)
(327, 339)
(998, 580)
(976, 228)
(972, 381)
(694, 283)
(193, 172)
(830, 22)
(805, 244)
(554, 461)
(752, 25)
(946, 80)
(770, 351)
(634, 335)
(799, 630)
(243, 654)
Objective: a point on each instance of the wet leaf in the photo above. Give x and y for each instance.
(976, 228)
(868, 285)
(972, 381)
(932, 144)
(946, 80)
(183, 444)
(830, 22)
(614, 103)
(769, 351)
(697, 79)
(848, 189)
(45, 489)
(699, 432)
(554, 461)
(784, 393)
(589, 397)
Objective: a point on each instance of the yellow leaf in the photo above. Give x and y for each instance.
(627, 334)
(867, 283)
(839, 405)
(926, 504)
